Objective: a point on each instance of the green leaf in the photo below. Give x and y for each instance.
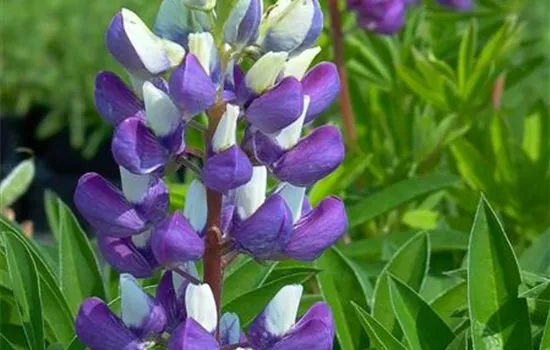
(466, 56)
(245, 276)
(16, 183)
(536, 258)
(420, 219)
(52, 212)
(80, 273)
(396, 195)
(460, 342)
(24, 280)
(423, 328)
(498, 317)
(410, 264)
(341, 282)
(473, 167)
(55, 309)
(249, 305)
(379, 337)
(545, 342)
(450, 301)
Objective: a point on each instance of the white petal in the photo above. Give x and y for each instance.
(162, 115)
(225, 135)
(202, 45)
(250, 196)
(263, 74)
(142, 239)
(294, 198)
(289, 136)
(298, 65)
(195, 209)
(147, 45)
(135, 303)
(134, 186)
(201, 306)
(281, 311)
(174, 52)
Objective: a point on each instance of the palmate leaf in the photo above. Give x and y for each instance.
(423, 328)
(396, 195)
(55, 309)
(341, 282)
(379, 337)
(410, 264)
(499, 319)
(26, 287)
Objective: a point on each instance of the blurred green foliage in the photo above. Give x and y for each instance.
(50, 53)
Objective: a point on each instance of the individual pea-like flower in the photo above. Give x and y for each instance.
(291, 26)
(242, 25)
(142, 319)
(275, 328)
(123, 219)
(227, 166)
(459, 5)
(138, 50)
(380, 16)
(147, 146)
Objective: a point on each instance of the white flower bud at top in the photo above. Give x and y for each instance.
(297, 66)
(162, 114)
(250, 196)
(134, 186)
(291, 26)
(202, 45)
(289, 136)
(225, 135)
(203, 5)
(201, 306)
(265, 71)
(281, 311)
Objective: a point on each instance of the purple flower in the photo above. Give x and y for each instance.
(380, 16)
(241, 27)
(147, 146)
(275, 327)
(123, 219)
(142, 318)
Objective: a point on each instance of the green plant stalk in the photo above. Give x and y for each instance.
(345, 100)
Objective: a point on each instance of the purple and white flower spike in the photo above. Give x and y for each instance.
(275, 327)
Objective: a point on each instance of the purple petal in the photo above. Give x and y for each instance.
(240, 29)
(266, 150)
(136, 147)
(98, 328)
(267, 231)
(191, 88)
(172, 298)
(321, 84)
(105, 207)
(125, 257)
(387, 17)
(314, 31)
(192, 336)
(314, 157)
(133, 47)
(318, 230)
(277, 108)
(314, 331)
(114, 100)
(174, 241)
(227, 170)
(155, 203)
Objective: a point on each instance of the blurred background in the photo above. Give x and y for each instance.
(455, 104)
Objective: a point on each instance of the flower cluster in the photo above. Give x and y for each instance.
(388, 16)
(255, 161)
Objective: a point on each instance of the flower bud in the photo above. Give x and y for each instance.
(241, 27)
(175, 21)
(291, 26)
(203, 5)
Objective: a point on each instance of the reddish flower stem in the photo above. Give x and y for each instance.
(338, 44)
(213, 268)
